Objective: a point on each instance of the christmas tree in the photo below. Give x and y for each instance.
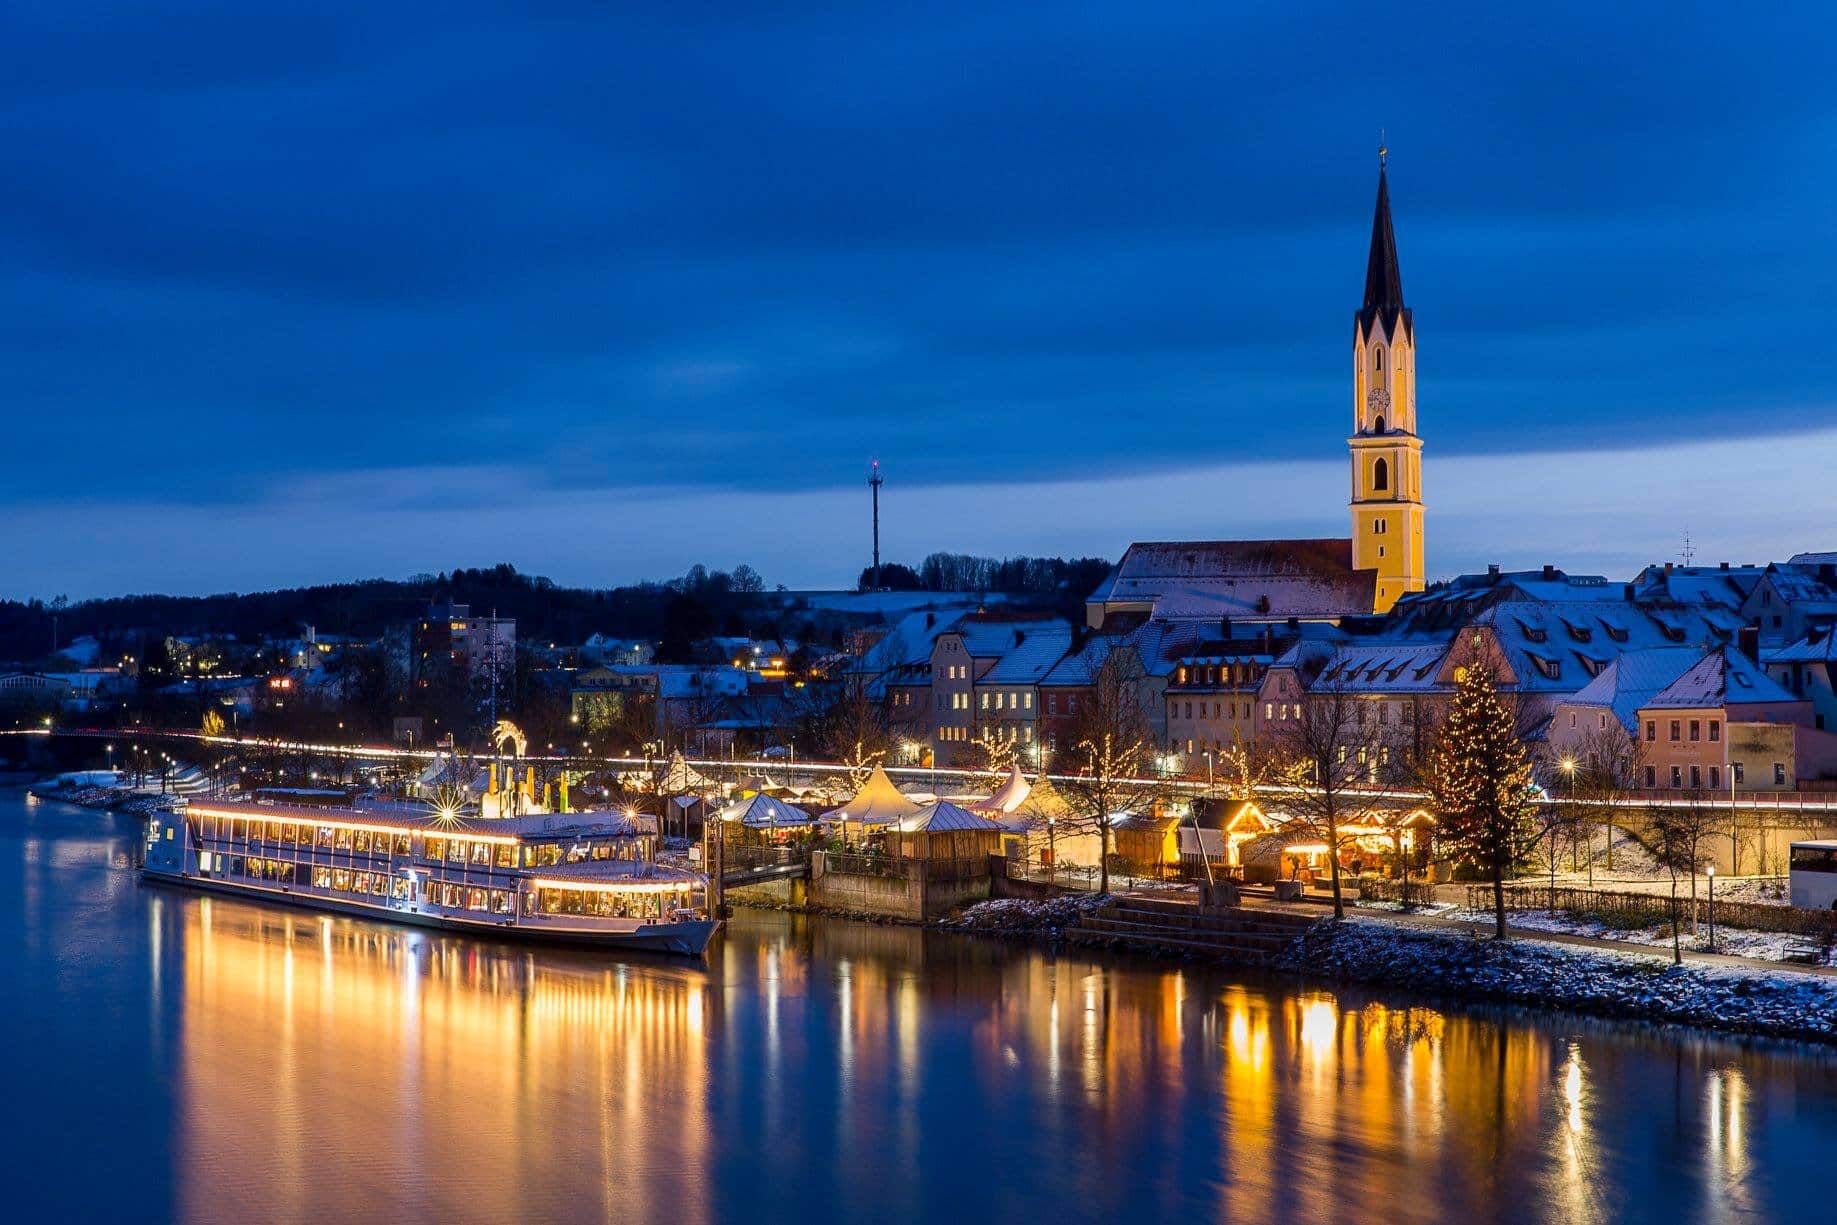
(1480, 778)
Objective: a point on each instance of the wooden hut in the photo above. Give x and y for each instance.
(942, 830)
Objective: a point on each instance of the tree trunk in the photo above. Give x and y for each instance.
(1677, 940)
(1499, 932)
(1339, 903)
(1103, 856)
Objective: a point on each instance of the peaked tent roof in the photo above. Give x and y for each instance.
(766, 812)
(943, 816)
(1044, 801)
(680, 776)
(878, 802)
(1006, 798)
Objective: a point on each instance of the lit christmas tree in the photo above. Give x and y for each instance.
(1481, 779)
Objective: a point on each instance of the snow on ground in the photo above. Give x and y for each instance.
(1738, 942)
(1775, 1003)
(1015, 916)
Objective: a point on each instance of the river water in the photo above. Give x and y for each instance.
(172, 1056)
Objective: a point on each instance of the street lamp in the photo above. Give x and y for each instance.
(1567, 766)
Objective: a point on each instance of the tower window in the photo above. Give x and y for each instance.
(1381, 471)
(1378, 427)
(1377, 357)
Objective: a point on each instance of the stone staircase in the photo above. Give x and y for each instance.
(1246, 934)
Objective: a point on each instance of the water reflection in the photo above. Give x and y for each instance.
(295, 1067)
(833, 1071)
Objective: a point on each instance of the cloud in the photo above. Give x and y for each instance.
(1740, 500)
(702, 247)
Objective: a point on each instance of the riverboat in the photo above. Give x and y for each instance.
(568, 878)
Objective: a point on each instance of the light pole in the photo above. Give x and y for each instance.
(1567, 765)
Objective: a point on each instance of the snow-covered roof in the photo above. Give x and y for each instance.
(942, 816)
(878, 802)
(1006, 798)
(1723, 677)
(1634, 677)
(1378, 667)
(764, 812)
(1024, 651)
(1209, 579)
(1818, 646)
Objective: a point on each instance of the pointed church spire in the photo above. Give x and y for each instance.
(1383, 281)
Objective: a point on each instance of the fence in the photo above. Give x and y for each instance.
(1651, 909)
(921, 869)
(1384, 889)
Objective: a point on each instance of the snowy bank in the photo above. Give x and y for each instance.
(1774, 1004)
(1020, 917)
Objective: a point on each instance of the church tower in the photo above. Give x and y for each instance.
(1386, 452)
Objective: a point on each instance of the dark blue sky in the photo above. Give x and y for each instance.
(334, 290)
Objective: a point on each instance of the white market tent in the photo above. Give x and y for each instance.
(680, 777)
(764, 812)
(1007, 797)
(878, 802)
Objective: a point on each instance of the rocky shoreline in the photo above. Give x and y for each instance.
(1593, 982)
(1596, 982)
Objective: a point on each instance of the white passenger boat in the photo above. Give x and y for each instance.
(571, 878)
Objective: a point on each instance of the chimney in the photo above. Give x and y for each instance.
(1627, 593)
(1019, 636)
(1747, 641)
(1224, 628)
(1667, 569)
(1492, 572)
(1294, 625)
(1549, 573)
(1725, 565)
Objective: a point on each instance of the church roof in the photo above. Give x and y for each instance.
(1383, 278)
(1210, 579)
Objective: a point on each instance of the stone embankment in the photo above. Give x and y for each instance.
(1374, 952)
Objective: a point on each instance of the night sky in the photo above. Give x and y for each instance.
(331, 291)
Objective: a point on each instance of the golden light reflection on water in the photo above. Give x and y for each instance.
(857, 1069)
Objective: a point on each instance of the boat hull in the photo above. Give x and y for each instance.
(689, 938)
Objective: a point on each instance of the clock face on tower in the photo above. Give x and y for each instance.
(1378, 400)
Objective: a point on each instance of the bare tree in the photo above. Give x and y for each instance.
(997, 747)
(1330, 759)
(853, 728)
(1110, 760)
(1675, 834)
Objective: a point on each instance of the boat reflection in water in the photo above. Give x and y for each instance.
(820, 1070)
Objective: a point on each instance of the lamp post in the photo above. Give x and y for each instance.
(1712, 908)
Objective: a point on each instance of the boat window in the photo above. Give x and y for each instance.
(343, 840)
(456, 850)
(481, 853)
(436, 848)
(506, 856)
(325, 835)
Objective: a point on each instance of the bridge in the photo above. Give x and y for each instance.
(758, 865)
